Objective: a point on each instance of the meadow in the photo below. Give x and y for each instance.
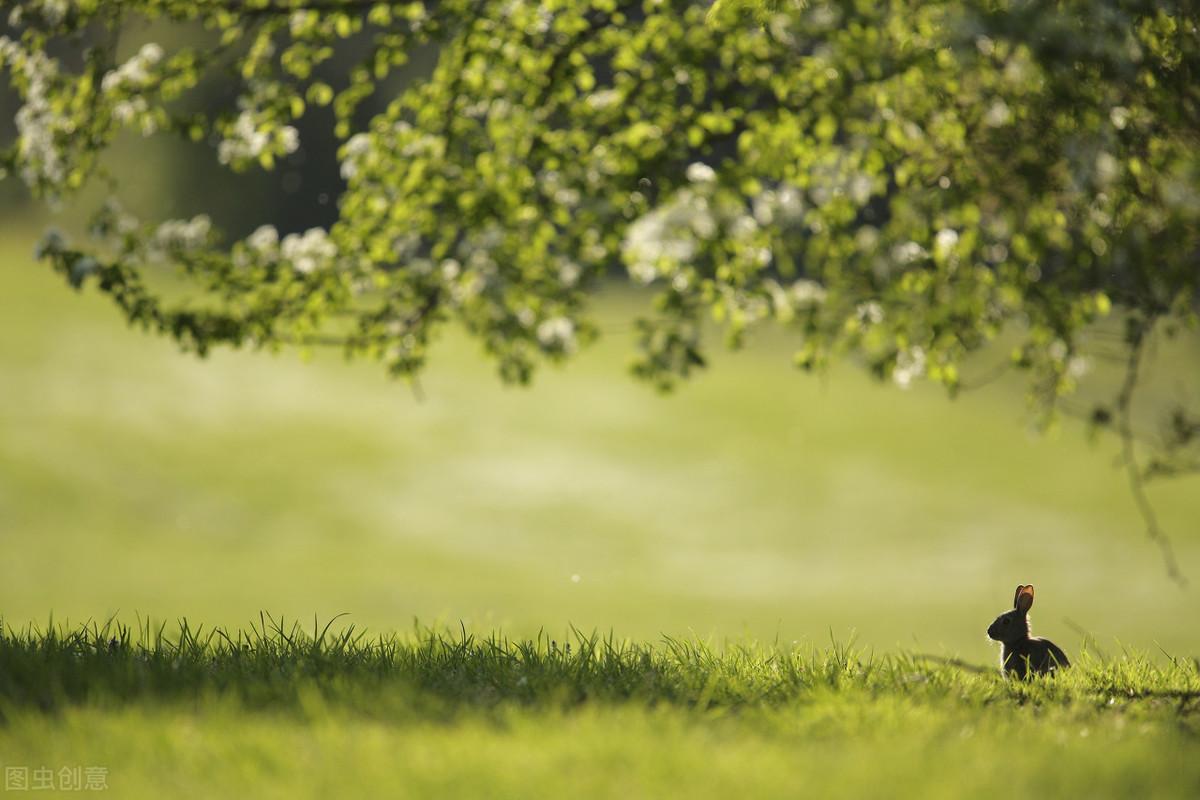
(277, 711)
(772, 584)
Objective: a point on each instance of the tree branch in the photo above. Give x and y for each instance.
(1137, 483)
(325, 6)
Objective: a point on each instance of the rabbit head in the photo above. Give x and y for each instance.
(1013, 626)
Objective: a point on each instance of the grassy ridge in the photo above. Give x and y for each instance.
(324, 713)
(272, 665)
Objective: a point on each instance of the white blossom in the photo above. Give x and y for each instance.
(354, 151)
(264, 240)
(869, 312)
(643, 272)
(557, 333)
(806, 293)
(860, 189)
(763, 205)
(569, 272)
(469, 286)
(1108, 168)
(790, 203)
(249, 138)
(309, 251)
(908, 252)
(9, 50)
(39, 127)
(127, 111)
(289, 139)
(701, 221)
(134, 73)
(299, 21)
(701, 173)
(910, 364)
(545, 18)
(743, 226)
(605, 98)
(866, 238)
(179, 234)
(784, 205)
(997, 115)
(247, 141)
(54, 11)
(945, 241)
(567, 197)
(666, 236)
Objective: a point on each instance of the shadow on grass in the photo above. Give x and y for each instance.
(437, 673)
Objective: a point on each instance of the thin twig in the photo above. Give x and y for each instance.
(1089, 639)
(991, 376)
(954, 662)
(286, 9)
(1124, 406)
(1073, 410)
(315, 340)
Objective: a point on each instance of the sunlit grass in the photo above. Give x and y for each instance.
(334, 711)
(430, 670)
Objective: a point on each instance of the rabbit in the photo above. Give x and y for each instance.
(1023, 654)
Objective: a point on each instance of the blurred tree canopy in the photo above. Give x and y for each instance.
(897, 180)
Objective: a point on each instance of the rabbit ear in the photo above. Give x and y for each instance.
(1017, 595)
(1024, 599)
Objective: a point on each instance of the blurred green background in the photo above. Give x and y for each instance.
(757, 502)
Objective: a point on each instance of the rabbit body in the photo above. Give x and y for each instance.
(1032, 655)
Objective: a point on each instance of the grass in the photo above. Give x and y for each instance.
(757, 505)
(197, 713)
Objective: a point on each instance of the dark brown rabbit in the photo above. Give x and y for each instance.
(1022, 654)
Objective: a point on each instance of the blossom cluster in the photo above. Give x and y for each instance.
(306, 252)
(177, 236)
(128, 85)
(250, 137)
(40, 126)
(257, 133)
(135, 73)
(665, 241)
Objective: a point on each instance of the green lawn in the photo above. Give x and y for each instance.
(757, 504)
(277, 714)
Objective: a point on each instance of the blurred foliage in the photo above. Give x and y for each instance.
(900, 180)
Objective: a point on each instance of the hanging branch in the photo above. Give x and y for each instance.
(1138, 332)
